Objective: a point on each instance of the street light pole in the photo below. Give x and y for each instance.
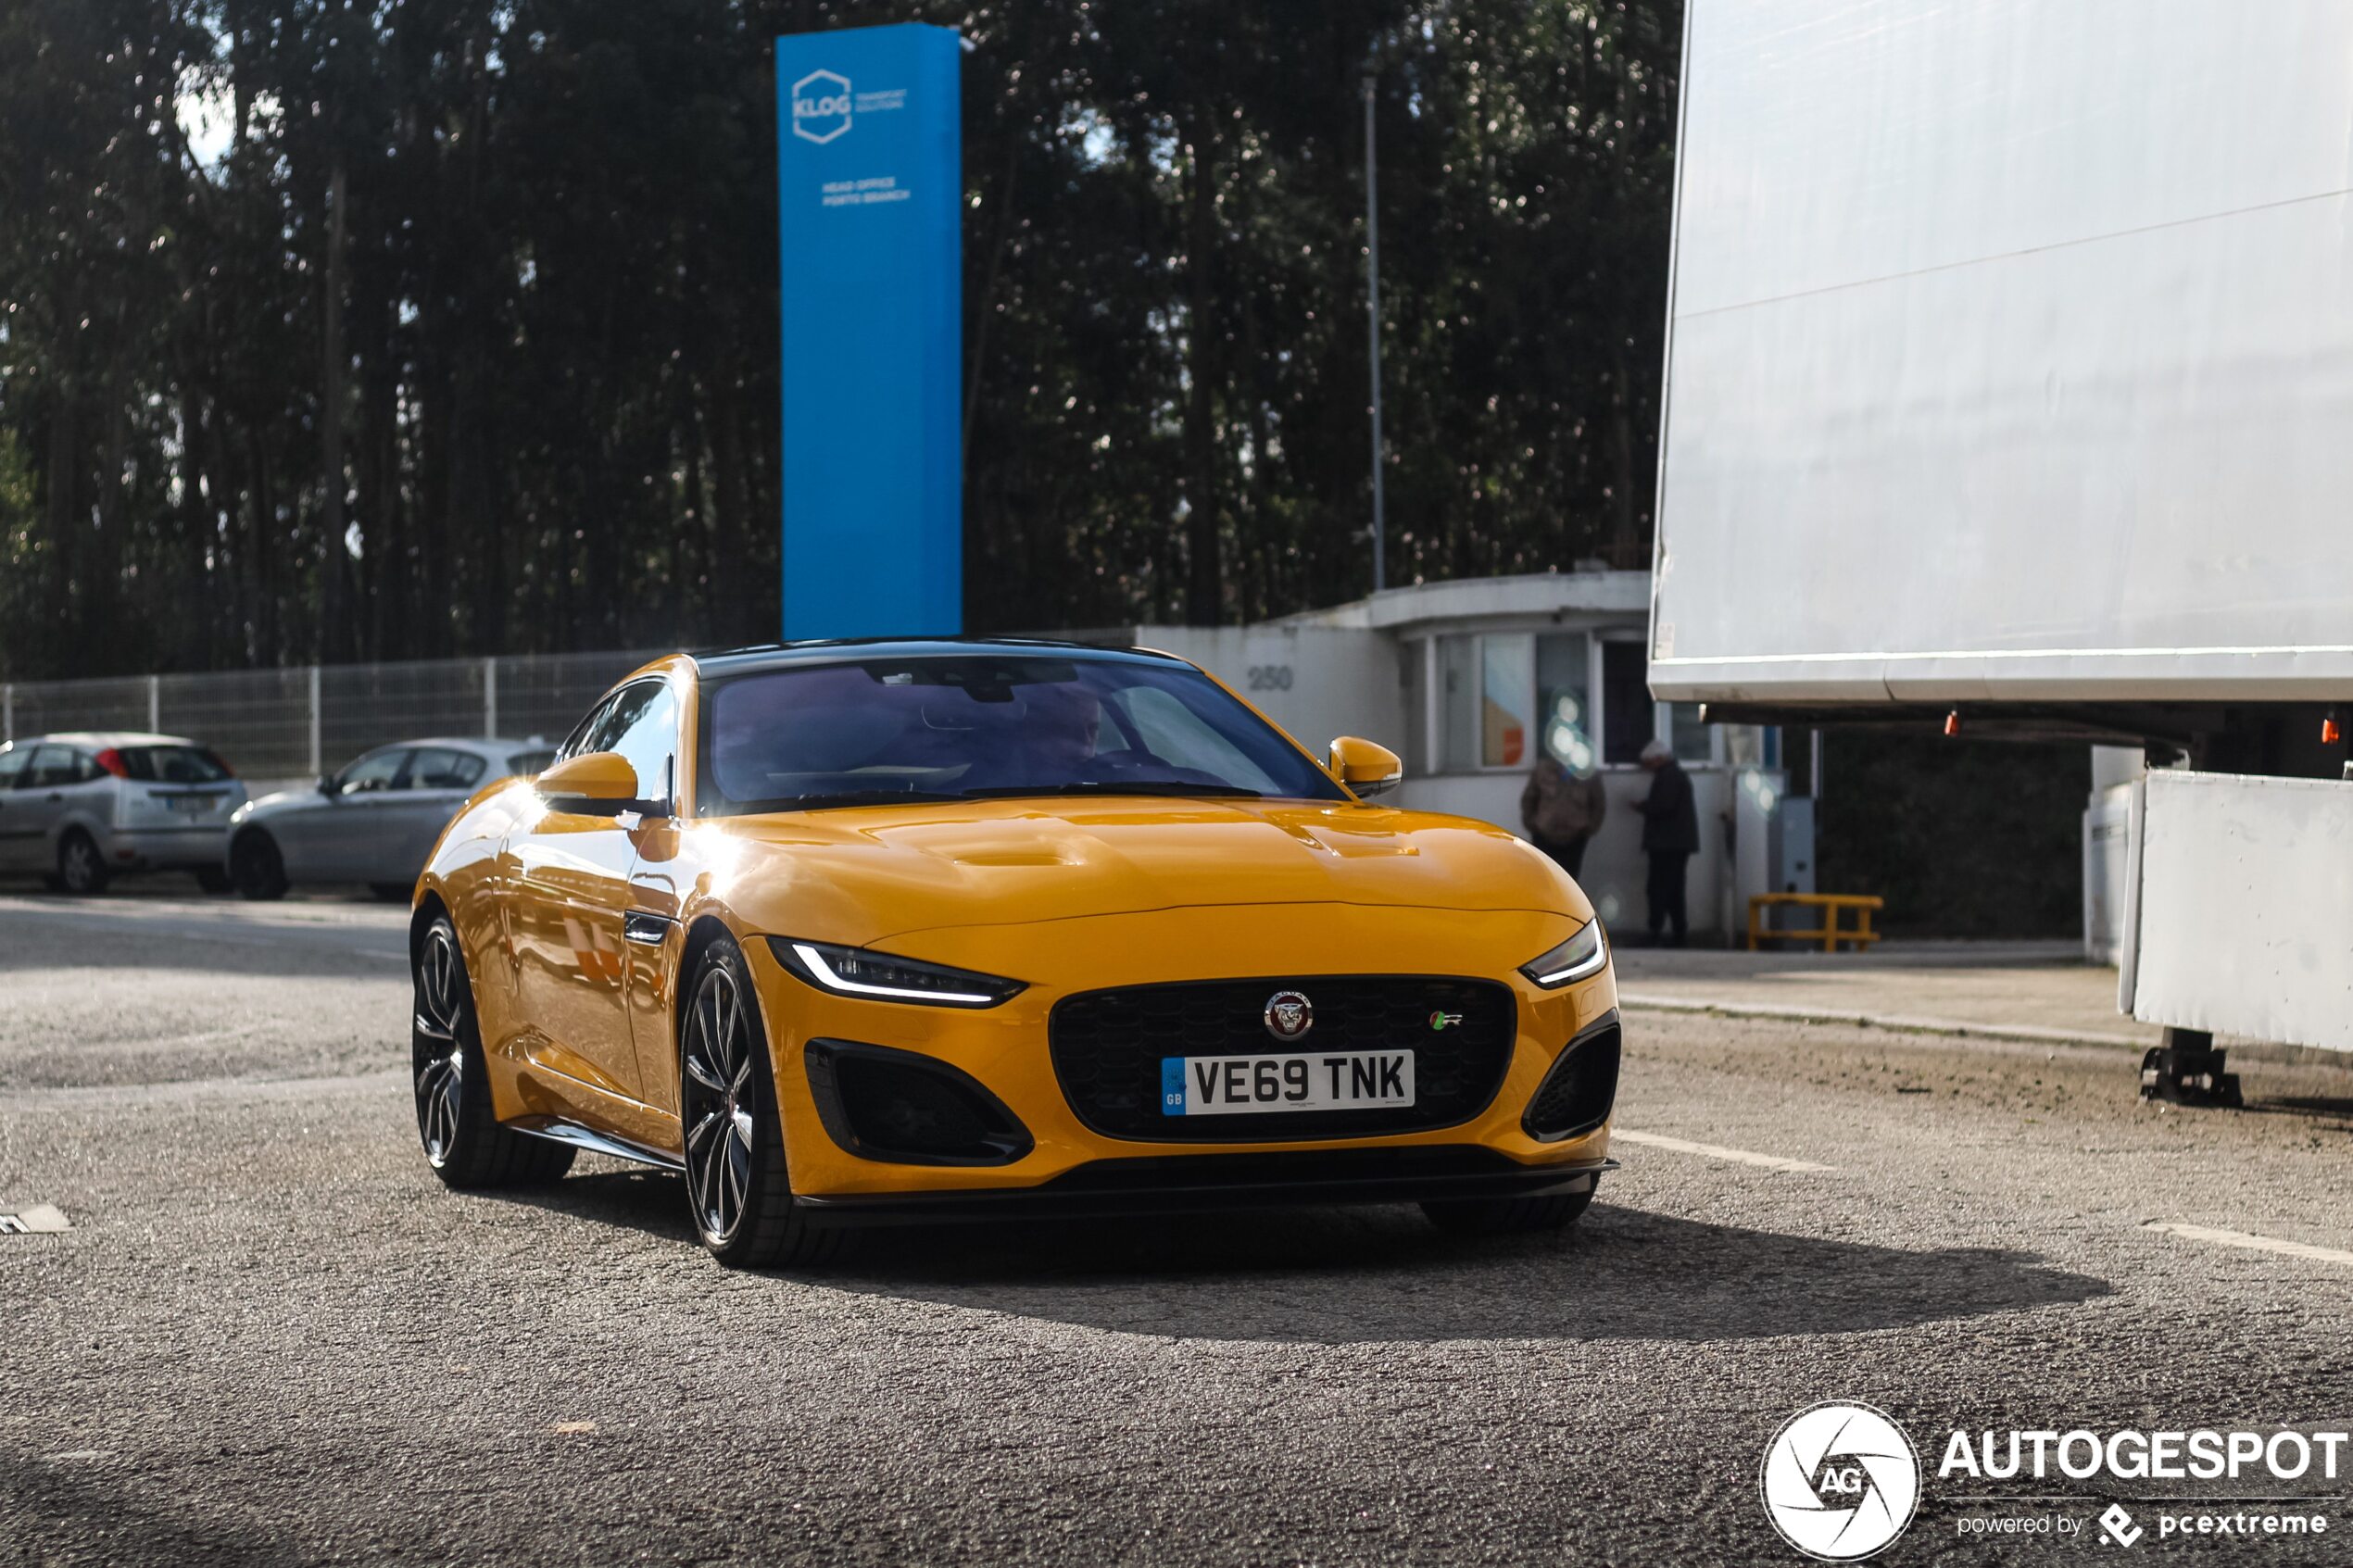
(1372, 291)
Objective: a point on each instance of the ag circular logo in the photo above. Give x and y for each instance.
(1840, 1481)
(1289, 1015)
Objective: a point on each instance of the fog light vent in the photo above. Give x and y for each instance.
(1577, 1094)
(910, 1109)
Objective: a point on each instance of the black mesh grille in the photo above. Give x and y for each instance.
(1108, 1046)
(1577, 1094)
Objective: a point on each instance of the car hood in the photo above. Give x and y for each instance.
(863, 875)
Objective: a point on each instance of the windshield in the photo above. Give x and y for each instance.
(171, 764)
(983, 727)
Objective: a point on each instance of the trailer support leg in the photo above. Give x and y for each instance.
(2187, 1070)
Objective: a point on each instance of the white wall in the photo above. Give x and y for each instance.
(1317, 682)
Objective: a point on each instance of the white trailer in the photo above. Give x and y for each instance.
(2010, 386)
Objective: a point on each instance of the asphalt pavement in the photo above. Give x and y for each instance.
(271, 1335)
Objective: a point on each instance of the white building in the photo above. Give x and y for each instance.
(1467, 679)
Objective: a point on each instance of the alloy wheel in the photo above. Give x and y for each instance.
(440, 1050)
(717, 1091)
(78, 865)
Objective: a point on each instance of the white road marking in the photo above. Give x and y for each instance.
(168, 1042)
(178, 1093)
(1717, 1151)
(2250, 1242)
(1899, 1024)
(41, 1218)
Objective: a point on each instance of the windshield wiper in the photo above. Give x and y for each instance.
(1145, 786)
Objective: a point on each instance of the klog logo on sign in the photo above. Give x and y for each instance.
(820, 106)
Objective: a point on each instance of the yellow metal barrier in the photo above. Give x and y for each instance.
(1829, 934)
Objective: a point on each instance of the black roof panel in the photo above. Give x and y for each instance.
(781, 655)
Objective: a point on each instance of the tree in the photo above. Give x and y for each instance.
(529, 401)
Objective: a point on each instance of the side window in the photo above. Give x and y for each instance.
(639, 722)
(648, 736)
(376, 772)
(585, 732)
(12, 763)
(441, 767)
(53, 766)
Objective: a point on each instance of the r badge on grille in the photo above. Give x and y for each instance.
(1289, 1015)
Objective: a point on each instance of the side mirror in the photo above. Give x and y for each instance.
(1367, 769)
(595, 783)
(326, 784)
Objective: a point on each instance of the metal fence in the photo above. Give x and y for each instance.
(293, 724)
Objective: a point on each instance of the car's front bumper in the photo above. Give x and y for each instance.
(1072, 1167)
(1209, 1182)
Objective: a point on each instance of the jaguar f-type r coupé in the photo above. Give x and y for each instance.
(865, 932)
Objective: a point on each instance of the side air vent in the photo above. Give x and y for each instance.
(1577, 1094)
(907, 1109)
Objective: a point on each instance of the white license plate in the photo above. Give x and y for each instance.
(195, 805)
(1235, 1086)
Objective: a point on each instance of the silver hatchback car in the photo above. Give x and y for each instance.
(81, 808)
(373, 822)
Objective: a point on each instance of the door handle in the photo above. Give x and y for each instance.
(647, 931)
(54, 795)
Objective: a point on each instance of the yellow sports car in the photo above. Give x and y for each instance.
(911, 931)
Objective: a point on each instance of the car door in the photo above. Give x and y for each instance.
(341, 843)
(48, 790)
(570, 899)
(437, 781)
(18, 842)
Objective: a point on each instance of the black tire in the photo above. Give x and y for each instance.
(81, 869)
(737, 1190)
(255, 866)
(1507, 1216)
(213, 879)
(392, 892)
(463, 1142)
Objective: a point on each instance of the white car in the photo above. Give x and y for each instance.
(375, 822)
(82, 807)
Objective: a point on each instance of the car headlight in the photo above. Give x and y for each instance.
(856, 972)
(1581, 958)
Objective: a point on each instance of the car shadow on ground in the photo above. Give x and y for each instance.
(2324, 1108)
(1353, 1276)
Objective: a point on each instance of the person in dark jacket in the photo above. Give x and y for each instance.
(1562, 810)
(1670, 837)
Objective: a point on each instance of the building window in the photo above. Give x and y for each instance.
(1488, 690)
(1506, 697)
(1458, 703)
(1628, 722)
(1506, 700)
(1564, 701)
(1693, 741)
